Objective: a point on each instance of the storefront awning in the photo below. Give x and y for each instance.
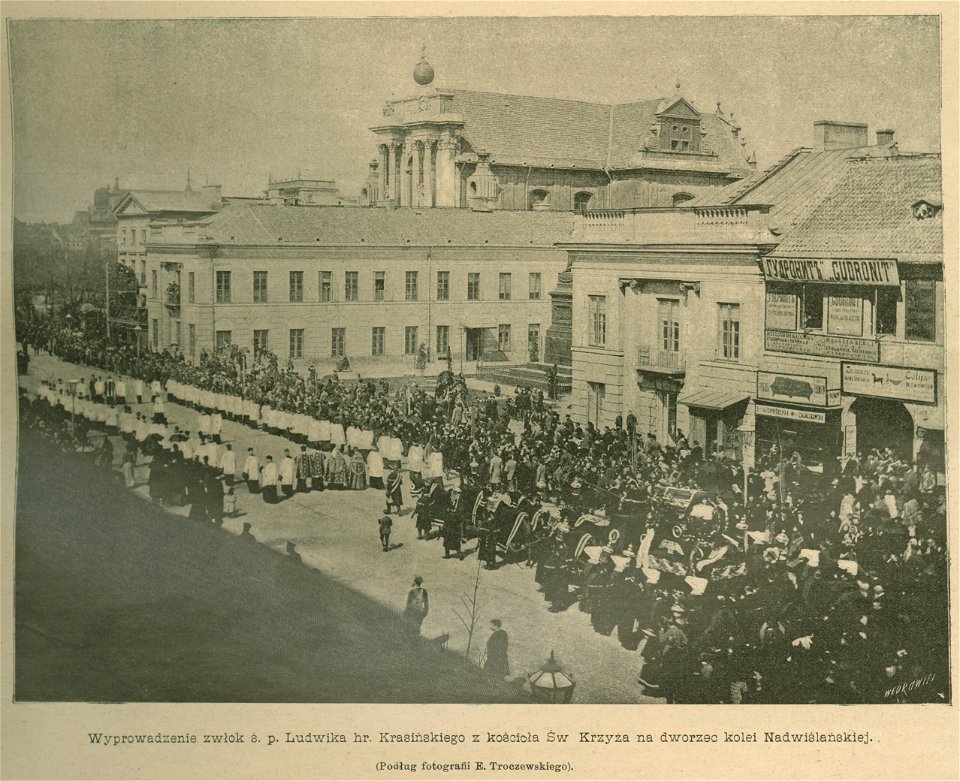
(707, 398)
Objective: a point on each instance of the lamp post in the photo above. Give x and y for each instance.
(137, 329)
(550, 684)
(73, 382)
(746, 453)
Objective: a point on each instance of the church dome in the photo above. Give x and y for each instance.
(423, 73)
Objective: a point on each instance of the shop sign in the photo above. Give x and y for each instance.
(781, 310)
(845, 315)
(793, 388)
(832, 272)
(824, 345)
(890, 382)
(788, 413)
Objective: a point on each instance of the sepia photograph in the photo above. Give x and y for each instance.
(461, 360)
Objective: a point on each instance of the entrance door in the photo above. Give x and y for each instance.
(596, 391)
(474, 344)
(666, 416)
(883, 423)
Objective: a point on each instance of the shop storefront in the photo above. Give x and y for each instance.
(815, 434)
(715, 417)
(895, 407)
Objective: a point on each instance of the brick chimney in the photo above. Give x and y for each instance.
(829, 135)
(884, 137)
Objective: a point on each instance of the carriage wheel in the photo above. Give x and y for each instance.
(677, 531)
(614, 537)
(585, 540)
(538, 519)
(517, 526)
(476, 508)
(700, 552)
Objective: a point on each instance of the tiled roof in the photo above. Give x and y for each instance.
(268, 224)
(869, 213)
(523, 129)
(174, 201)
(792, 187)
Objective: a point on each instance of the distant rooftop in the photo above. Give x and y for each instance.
(271, 225)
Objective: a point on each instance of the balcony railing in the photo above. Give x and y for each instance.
(745, 224)
(664, 361)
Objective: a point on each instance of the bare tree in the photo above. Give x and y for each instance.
(472, 609)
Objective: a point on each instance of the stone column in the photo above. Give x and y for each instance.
(403, 180)
(383, 195)
(416, 188)
(427, 174)
(397, 189)
(390, 193)
(446, 172)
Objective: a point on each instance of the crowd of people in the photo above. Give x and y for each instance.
(839, 593)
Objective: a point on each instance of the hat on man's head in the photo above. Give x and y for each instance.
(417, 580)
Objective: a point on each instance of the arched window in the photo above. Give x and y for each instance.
(539, 200)
(681, 198)
(581, 201)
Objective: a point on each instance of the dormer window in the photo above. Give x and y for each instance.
(680, 129)
(927, 207)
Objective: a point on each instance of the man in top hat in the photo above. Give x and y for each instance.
(292, 556)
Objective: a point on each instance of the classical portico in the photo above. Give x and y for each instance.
(417, 147)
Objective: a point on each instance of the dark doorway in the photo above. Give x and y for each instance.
(883, 423)
(474, 344)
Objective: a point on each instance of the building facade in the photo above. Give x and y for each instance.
(140, 210)
(855, 304)
(662, 303)
(471, 149)
(313, 284)
(801, 308)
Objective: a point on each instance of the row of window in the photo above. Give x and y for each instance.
(338, 339)
(133, 236)
(668, 323)
(351, 286)
(853, 311)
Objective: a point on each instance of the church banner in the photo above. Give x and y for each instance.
(832, 272)
(890, 382)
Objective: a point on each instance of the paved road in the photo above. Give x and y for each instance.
(336, 532)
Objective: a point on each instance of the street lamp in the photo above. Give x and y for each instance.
(73, 382)
(550, 684)
(746, 453)
(137, 331)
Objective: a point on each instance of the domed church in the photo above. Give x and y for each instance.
(462, 148)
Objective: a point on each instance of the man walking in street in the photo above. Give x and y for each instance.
(497, 663)
(394, 492)
(418, 605)
(385, 525)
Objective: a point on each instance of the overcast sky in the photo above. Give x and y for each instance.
(236, 100)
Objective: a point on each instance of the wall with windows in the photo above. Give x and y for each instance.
(367, 303)
(647, 324)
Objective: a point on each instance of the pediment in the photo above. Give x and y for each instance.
(681, 109)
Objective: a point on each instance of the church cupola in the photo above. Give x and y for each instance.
(423, 72)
